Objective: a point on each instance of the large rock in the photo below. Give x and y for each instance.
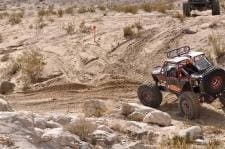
(4, 105)
(128, 108)
(95, 108)
(6, 87)
(191, 133)
(136, 116)
(158, 117)
(104, 138)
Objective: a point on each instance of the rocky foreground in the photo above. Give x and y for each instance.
(133, 126)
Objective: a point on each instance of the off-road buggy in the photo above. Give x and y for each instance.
(189, 75)
(201, 5)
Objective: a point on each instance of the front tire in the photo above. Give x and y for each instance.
(189, 105)
(186, 9)
(150, 95)
(215, 7)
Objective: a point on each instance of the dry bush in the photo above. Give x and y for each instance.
(3, 15)
(46, 12)
(176, 143)
(11, 69)
(91, 9)
(60, 13)
(179, 16)
(126, 8)
(70, 10)
(159, 6)
(128, 32)
(69, 28)
(16, 18)
(31, 64)
(214, 144)
(102, 7)
(42, 12)
(218, 46)
(222, 4)
(83, 128)
(137, 25)
(84, 28)
(82, 10)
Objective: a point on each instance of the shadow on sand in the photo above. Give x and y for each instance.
(208, 117)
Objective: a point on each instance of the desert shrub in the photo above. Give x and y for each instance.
(128, 32)
(222, 4)
(31, 64)
(41, 25)
(179, 16)
(214, 144)
(3, 15)
(137, 25)
(16, 18)
(6, 141)
(69, 28)
(159, 6)
(102, 7)
(84, 28)
(11, 69)
(60, 13)
(69, 10)
(126, 8)
(82, 10)
(218, 46)
(83, 128)
(42, 12)
(146, 7)
(91, 9)
(176, 143)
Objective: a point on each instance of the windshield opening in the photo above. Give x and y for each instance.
(201, 62)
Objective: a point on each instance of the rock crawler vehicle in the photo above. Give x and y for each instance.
(190, 76)
(201, 5)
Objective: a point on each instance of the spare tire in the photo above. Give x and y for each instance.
(213, 82)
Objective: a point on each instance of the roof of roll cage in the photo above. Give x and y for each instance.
(177, 59)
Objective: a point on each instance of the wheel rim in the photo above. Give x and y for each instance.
(216, 82)
(186, 107)
(146, 96)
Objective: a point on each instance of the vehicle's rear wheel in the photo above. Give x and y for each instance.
(189, 105)
(150, 95)
(215, 7)
(186, 9)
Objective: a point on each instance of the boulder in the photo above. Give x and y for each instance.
(95, 108)
(40, 122)
(158, 117)
(103, 138)
(128, 108)
(62, 119)
(6, 87)
(136, 116)
(105, 128)
(4, 105)
(191, 133)
(52, 124)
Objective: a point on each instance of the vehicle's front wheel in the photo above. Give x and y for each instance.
(150, 95)
(215, 7)
(189, 105)
(186, 9)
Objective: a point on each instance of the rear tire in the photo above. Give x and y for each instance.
(189, 105)
(150, 95)
(215, 7)
(186, 9)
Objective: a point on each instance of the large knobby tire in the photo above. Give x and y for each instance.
(215, 7)
(150, 95)
(189, 105)
(213, 82)
(186, 9)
